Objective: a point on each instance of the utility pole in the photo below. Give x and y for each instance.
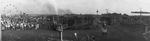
(140, 14)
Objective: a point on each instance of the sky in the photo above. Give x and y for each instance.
(76, 6)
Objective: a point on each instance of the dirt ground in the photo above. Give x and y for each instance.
(115, 33)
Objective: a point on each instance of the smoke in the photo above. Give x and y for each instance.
(51, 9)
(51, 6)
(61, 11)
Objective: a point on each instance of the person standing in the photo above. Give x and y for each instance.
(76, 35)
(22, 26)
(104, 32)
(104, 29)
(37, 26)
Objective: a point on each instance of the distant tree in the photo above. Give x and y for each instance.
(125, 14)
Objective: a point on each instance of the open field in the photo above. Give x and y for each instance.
(117, 32)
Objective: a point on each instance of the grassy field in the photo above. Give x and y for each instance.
(117, 32)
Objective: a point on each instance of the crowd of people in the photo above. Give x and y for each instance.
(12, 24)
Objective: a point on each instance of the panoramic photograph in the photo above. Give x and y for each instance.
(75, 20)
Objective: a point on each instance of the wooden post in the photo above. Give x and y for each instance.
(60, 30)
(146, 29)
(61, 33)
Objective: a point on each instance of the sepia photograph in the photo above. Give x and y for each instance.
(75, 20)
